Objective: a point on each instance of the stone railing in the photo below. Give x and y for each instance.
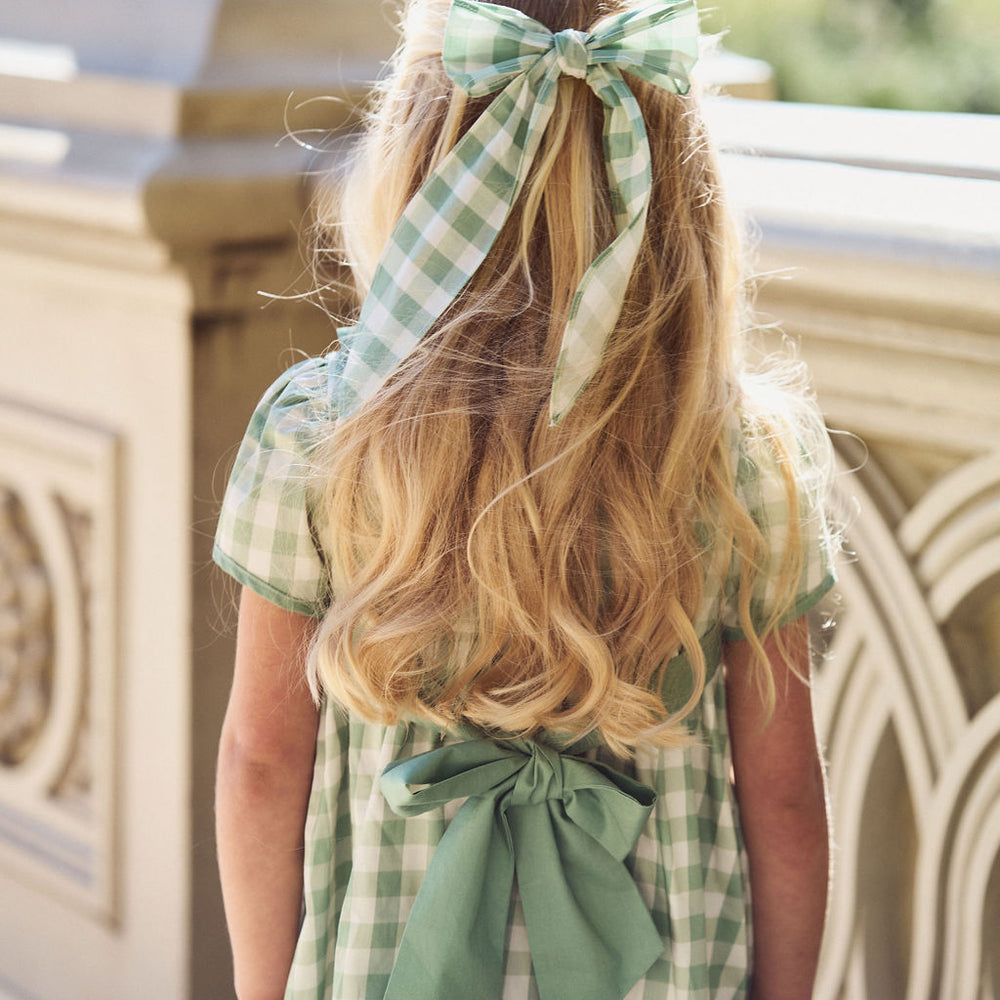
(879, 233)
(143, 203)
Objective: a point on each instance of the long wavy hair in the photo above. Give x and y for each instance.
(486, 567)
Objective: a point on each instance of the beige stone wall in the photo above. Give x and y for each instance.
(147, 193)
(144, 202)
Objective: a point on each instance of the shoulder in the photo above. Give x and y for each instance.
(296, 406)
(782, 473)
(265, 535)
(780, 461)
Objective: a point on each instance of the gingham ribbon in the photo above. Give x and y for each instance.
(564, 826)
(447, 230)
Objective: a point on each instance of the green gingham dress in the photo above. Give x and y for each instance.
(364, 864)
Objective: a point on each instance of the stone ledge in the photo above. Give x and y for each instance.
(160, 109)
(187, 192)
(911, 141)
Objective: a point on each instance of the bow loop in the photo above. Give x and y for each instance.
(563, 826)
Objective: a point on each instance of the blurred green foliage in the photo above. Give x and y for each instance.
(932, 55)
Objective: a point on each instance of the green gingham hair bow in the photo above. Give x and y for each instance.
(450, 225)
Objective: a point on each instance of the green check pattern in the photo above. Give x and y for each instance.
(450, 225)
(364, 864)
(265, 535)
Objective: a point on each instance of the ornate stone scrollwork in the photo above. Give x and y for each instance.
(26, 634)
(914, 746)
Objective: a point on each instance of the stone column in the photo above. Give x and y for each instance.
(147, 192)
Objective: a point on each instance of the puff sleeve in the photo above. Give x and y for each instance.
(265, 536)
(761, 488)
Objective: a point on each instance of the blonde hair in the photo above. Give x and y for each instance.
(489, 568)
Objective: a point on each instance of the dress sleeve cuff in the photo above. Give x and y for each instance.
(803, 604)
(262, 588)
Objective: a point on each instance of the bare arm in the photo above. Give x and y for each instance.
(262, 791)
(781, 792)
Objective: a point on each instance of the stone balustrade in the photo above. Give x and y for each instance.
(879, 235)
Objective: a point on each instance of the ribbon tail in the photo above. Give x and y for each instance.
(445, 233)
(453, 943)
(591, 936)
(600, 296)
(593, 317)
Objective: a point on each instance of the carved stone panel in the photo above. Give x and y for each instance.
(58, 610)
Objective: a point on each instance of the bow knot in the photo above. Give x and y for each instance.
(540, 780)
(571, 53)
(564, 826)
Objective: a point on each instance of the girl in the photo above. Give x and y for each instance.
(521, 701)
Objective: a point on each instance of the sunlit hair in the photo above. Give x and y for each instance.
(487, 567)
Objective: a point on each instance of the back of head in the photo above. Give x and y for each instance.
(487, 566)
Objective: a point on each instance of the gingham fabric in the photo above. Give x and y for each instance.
(264, 536)
(364, 864)
(451, 223)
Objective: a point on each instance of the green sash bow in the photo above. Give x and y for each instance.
(564, 826)
(449, 226)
